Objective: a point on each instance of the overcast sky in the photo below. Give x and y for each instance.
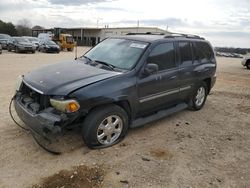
(223, 22)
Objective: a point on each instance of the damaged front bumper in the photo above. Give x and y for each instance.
(45, 123)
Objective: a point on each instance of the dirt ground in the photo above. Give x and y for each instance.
(207, 148)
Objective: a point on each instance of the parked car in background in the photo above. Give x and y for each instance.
(20, 44)
(49, 46)
(0, 49)
(246, 62)
(33, 40)
(4, 40)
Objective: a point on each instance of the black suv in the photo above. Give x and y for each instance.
(121, 83)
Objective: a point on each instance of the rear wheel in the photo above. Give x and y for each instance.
(105, 126)
(199, 97)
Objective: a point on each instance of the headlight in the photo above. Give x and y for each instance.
(19, 82)
(67, 106)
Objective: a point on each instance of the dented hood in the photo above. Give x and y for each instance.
(63, 78)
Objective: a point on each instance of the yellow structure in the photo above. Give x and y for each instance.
(66, 41)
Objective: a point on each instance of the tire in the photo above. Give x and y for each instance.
(16, 50)
(33, 52)
(100, 121)
(199, 96)
(248, 64)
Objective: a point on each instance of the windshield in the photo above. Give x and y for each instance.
(21, 39)
(120, 53)
(50, 42)
(69, 39)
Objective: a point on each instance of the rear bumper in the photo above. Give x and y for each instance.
(43, 123)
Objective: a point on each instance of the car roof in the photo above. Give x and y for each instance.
(29, 37)
(152, 37)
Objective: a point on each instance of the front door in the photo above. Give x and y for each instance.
(160, 89)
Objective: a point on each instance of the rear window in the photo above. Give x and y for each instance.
(202, 51)
(185, 53)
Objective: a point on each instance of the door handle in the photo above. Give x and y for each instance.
(157, 78)
(172, 77)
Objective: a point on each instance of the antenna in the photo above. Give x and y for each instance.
(76, 52)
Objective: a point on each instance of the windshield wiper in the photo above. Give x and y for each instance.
(90, 60)
(112, 67)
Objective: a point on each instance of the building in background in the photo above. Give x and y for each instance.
(91, 36)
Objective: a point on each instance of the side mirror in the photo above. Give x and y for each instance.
(150, 68)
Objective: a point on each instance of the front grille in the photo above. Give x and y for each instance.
(37, 101)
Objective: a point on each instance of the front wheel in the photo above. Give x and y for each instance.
(199, 97)
(248, 65)
(105, 126)
(16, 50)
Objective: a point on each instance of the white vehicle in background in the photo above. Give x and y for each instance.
(45, 36)
(246, 62)
(33, 40)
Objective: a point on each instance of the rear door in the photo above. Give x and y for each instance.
(186, 68)
(160, 89)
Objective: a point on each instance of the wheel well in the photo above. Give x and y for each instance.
(208, 82)
(248, 61)
(125, 105)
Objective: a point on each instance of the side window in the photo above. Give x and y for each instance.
(202, 52)
(185, 53)
(163, 55)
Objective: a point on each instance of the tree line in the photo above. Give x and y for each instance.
(22, 28)
(242, 51)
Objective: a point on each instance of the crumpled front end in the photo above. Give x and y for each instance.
(35, 111)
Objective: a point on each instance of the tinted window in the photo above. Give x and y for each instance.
(163, 55)
(202, 52)
(185, 53)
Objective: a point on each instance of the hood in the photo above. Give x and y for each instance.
(52, 45)
(25, 43)
(4, 40)
(63, 78)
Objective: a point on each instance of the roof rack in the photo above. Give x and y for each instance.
(172, 35)
(147, 33)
